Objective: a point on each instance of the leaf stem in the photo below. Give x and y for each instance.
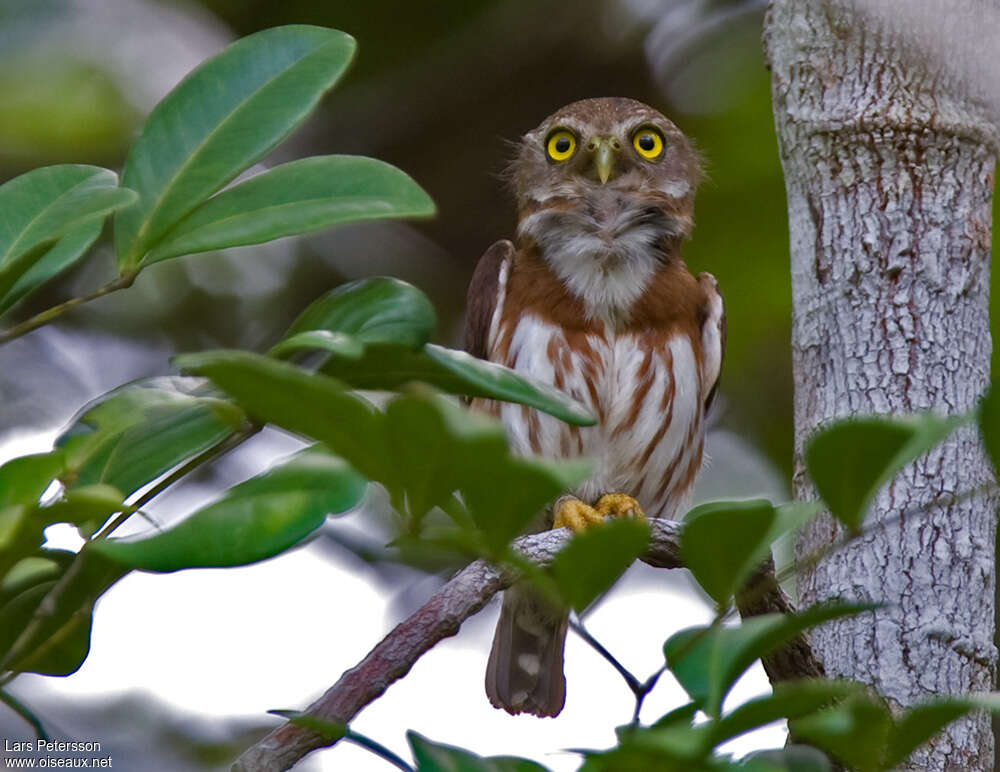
(639, 689)
(231, 442)
(50, 314)
(633, 683)
(377, 748)
(24, 712)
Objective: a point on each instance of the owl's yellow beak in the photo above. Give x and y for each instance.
(604, 149)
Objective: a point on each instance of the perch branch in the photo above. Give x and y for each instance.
(441, 616)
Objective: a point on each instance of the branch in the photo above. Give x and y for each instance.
(51, 314)
(440, 617)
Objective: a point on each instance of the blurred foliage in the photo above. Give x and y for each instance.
(94, 120)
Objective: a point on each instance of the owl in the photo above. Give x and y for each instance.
(592, 296)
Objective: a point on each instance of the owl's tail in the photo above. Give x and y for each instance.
(525, 671)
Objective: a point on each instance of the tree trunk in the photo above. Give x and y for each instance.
(888, 143)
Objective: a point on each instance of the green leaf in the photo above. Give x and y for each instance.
(305, 403)
(434, 757)
(594, 559)
(794, 758)
(682, 715)
(41, 566)
(375, 310)
(46, 203)
(390, 322)
(707, 660)
(455, 372)
(253, 521)
(83, 504)
(861, 732)
(297, 197)
(62, 658)
(419, 455)
(855, 732)
(724, 541)
(919, 724)
(677, 747)
(989, 425)
(20, 535)
(788, 700)
(53, 261)
(222, 118)
(331, 731)
(429, 451)
(61, 641)
(479, 378)
(132, 435)
(852, 459)
(319, 340)
(23, 480)
(514, 492)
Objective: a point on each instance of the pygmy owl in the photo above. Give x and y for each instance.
(593, 297)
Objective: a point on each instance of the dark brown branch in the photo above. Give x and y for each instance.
(461, 597)
(763, 595)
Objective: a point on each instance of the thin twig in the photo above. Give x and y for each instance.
(210, 454)
(24, 712)
(377, 748)
(51, 314)
(639, 689)
(633, 683)
(645, 689)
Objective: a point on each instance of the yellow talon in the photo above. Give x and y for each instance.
(574, 514)
(619, 505)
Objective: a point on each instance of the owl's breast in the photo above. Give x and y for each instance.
(644, 389)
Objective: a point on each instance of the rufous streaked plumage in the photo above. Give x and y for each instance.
(593, 297)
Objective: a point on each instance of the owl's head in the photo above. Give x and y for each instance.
(613, 162)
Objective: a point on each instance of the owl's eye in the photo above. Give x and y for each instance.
(648, 143)
(560, 145)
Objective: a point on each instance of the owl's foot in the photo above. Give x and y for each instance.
(574, 514)
(619, 505)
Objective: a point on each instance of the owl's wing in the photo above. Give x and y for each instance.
(713, 335)
(485, 296)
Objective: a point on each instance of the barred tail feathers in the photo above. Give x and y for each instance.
(525, 670)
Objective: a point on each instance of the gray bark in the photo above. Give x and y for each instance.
(888, 141)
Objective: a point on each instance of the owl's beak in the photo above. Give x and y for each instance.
(604, 149)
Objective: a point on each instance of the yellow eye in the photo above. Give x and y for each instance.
(648, 143)
(561, 145)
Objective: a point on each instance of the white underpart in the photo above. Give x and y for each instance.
(606, 259)
(502, 275)
(711, 341)
(616, 459)
(686, 410)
